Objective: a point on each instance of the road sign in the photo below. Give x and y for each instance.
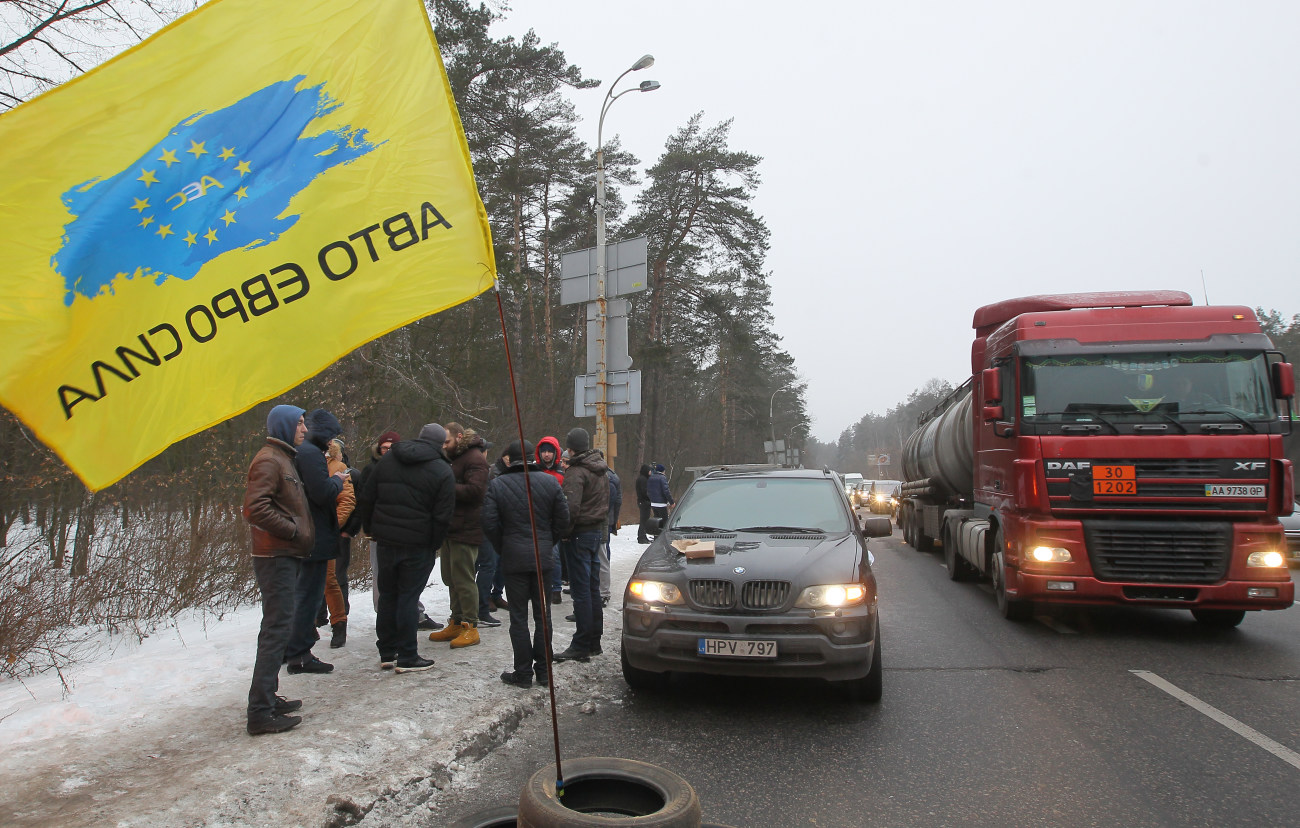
(622, 394)
(625, 271)
(616, 355)
(882, 459)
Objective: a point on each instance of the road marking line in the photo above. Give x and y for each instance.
(1281, 751)
(1052, 624)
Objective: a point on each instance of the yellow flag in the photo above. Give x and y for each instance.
(219, 213)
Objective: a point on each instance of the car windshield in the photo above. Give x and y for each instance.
(747, 502)
(1180, 386)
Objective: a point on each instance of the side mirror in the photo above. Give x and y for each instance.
(877, 527)
(991, 382)
(992, 412)
(1283, 380)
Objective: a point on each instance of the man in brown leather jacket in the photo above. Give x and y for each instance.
(275, 506)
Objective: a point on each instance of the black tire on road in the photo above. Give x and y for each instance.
(1222, 619)
(639, 679)
(1011, 609)
(504, 816)
(601, 790)
(871, 687)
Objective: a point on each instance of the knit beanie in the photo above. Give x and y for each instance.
(659, 467)
(578, 440)
(388, 437)
(434, 433)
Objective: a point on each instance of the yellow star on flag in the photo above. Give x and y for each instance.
(140, 205)
(148, 178)
(228, 218)
(169, 157)
(190, 239)
(242, 167)
(164, 230)
(211, 235)
(227, 153)
(196, 148)
(241, 193)
(146, 221)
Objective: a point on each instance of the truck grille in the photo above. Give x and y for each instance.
(765, 594)
(1160, 552)
(713, 594)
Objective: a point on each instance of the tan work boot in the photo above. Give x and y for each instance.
(468, 636)
(447, 633)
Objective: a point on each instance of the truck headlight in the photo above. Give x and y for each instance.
(831, 595)
(1271, 559)
(1050, 554)
(655, 592)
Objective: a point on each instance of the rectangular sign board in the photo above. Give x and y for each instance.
(625, 271)
(616, 355)
(622, 394)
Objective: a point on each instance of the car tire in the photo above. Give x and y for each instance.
(504, 816)
(639, 679)
(606, 791)
(1219, 619)
(871, 687)
(1010, 609)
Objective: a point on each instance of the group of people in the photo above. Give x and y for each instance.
(418, 499)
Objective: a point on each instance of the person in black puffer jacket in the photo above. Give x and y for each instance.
(406, 506)
(507, 525)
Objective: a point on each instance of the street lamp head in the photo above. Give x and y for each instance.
(649, 86)
(645, 62)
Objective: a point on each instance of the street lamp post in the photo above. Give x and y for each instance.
(603, 430)
(770, 421)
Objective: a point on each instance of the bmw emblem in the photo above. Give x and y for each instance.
(740, 570)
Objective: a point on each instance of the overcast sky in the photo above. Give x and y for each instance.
(921, 159)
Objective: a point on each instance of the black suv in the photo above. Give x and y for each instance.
(787, 590)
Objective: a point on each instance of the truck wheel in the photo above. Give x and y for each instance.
(924, 543)
(1011, 609)
(954, 563)
(1220, 619)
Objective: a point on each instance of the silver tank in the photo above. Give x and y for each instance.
(940, 451)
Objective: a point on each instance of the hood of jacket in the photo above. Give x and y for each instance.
(537, 455)
(412, 452)
(282, 423)
(591, 459)
(470, 439)
(322, 427)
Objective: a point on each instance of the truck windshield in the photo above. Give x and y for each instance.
(1188, 386)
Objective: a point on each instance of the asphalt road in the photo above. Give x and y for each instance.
(1073, 719)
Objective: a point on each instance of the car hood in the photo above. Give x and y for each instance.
(804, 560)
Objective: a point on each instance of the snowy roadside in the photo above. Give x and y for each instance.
(153, 734)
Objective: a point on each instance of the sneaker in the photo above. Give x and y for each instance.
(386, 662)
(500, 603)
(274, 723)
(488, 621)
(283, 705)
(427, 623)
(555, 598)
(517, 679)
(572, 655)
(413, 665)
(604, 602)
(309, 664)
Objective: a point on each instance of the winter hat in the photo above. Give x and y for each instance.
(578, 439)
(659, 467)
(322, 427)
(282, 422)
(388, 437)
(516, 454)
(433, 433)
(645, 469)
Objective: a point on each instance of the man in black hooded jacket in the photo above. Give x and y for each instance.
(322, 495)
(406, 506)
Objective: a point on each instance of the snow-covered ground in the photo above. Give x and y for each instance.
(153, 733)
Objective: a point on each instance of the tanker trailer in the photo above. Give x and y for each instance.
(1113, 449)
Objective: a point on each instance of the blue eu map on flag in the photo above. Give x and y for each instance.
(218, 181)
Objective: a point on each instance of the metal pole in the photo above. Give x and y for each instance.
(772, 423)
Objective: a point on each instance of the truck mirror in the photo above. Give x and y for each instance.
(991, 380)
(992, 412)
(1283, 380)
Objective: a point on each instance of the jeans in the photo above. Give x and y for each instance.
(401, 575)
(486, 573)
(374, 583)
(310, 594)
(277, 580)
(604, 568)
(582, 558)
(557, 574)
(643, 522)
(530, 650)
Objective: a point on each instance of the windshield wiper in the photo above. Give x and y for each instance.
(698, 529)
(1094, 410)
(801, 530)
(1210, 426)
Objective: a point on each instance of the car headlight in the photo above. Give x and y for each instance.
(1272, 559)
(655, 592)
(831, 595)
(1050, 554)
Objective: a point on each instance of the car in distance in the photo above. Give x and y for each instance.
(1291, 526)
(786, 590)
(884, 496)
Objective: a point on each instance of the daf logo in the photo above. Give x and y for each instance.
(1246, 465)
(1069, 465)
(740, 570)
